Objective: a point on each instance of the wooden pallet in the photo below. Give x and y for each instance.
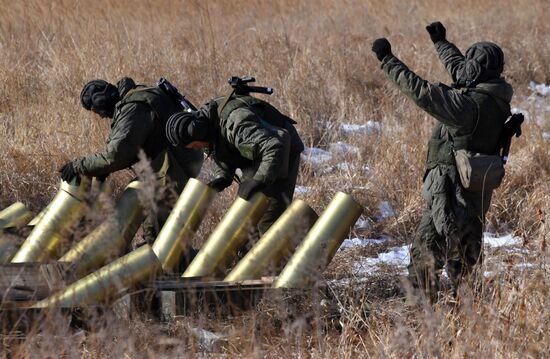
(187, 296)
(21, 285)
(24, 283)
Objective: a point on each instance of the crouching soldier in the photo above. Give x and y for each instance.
(139, 116)
(471, 114)
(241, 131)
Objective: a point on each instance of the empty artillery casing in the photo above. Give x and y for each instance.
(16, 215)
(103, 284)
(110, 238)
(276, 244)
(230, 234)
(36, 219)
(183, 221)
(102, 188)
(321, 243)
(63, 212)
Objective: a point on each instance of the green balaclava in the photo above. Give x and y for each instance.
(483, 61)
(100, 97)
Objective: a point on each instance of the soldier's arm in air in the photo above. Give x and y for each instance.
(451, 57)
(447, 105)
(129, 131)
(257, 144)
(449, 54)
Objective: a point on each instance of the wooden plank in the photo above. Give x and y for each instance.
(193, 284)
(168, 307)
(24, 282)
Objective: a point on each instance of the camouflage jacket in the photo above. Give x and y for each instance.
(251, 135)
(471, 117)
(138, 124)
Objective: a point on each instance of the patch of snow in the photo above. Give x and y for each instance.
(361, 242)
(370, 128)
(504, 241)
(541, 89)
(301, 189)
(206, 339)
(386, 210)
(524, 265)
(342, 148)
(398, 257)
(362, 223)
(316, 156)
(546, 136)
(345, 167)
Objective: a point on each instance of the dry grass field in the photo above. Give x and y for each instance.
(316, 54)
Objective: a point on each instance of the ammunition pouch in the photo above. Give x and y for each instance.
(479, 172)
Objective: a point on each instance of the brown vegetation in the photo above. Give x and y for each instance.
(316, 54)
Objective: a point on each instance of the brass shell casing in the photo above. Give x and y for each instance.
(8, 247)
(276, 244)
(65, 210)
(104, 284)
(228, 236)
(16, 215)
(109, 239)
(36, 219)
(101, 188)
(321, 243)
(183, 221)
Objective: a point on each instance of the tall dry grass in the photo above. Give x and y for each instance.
(316, 54)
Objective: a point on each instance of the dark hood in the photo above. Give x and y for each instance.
(483, 61)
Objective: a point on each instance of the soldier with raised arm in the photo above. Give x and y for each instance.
(471, 114)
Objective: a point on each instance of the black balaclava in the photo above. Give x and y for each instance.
(483, 61)
(100, 97)
(183, 128)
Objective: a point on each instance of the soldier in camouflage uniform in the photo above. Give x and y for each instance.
(246, 133)
(471, 114)
(139, 116)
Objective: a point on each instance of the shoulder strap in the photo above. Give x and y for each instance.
(224, 103)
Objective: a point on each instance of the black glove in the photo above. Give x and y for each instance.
(248, 187)
(512, 127)
(68, 172)
(221, 183)
(437, 31)
(381, 47)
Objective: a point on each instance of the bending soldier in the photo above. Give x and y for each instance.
(241, 131)
(471, 114)
(139, 115)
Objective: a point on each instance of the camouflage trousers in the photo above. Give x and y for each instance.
(172, 170)
(449, 234)
(279, 193)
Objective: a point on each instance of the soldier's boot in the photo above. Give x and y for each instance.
(465, 257)
(426, 280)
